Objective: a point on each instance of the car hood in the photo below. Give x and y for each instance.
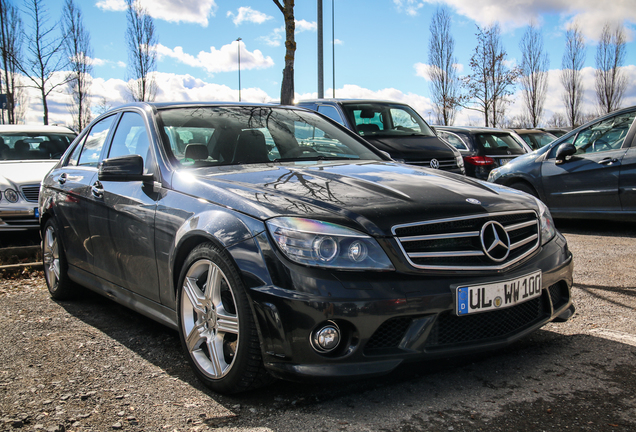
(412, 147)
(372, 196)
(14, 173)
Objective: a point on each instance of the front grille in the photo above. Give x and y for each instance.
(388, 335)
(31, 192)
(451, 329)
(448, 164)
(455, 244)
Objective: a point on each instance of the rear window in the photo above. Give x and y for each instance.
(499, 144)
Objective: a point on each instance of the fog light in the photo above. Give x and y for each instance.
(326, 338)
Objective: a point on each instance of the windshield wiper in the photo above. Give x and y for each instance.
(312, 158)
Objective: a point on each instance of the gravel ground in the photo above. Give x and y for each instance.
(93, 365)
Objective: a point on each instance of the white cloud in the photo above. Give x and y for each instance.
(409, 6)
(112, 5)
(190, 11)
(592, 15)
(338, 42)
(101, 62)
(276, 37)
(224, 59)
(248, 14)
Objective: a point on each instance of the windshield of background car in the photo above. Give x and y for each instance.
(499, 144)
(384, 119)
(538, 140)
(209, 136)
(33, 145)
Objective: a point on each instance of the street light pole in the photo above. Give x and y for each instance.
(239, 65)
(321, 86)
(333, 46)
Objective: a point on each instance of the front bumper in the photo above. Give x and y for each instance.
(19, 217)
(389, 318)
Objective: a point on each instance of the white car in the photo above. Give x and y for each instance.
(27, 153)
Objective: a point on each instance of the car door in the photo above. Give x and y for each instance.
(73, 180)
(627, 180)
(589, 180)
(123, 235)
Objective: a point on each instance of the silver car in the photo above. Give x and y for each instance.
(27, 153)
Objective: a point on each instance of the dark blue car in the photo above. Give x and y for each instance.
(588, 173)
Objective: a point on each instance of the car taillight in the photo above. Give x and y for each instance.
(479, 160)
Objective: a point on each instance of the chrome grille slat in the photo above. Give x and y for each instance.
(456, 243)
(439, 236)
(523, 242)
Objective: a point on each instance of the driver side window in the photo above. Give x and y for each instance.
(605, 135)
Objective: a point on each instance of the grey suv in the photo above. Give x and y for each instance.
(394, 128)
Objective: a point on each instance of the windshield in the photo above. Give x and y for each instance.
(386, 119)
(33, 145)
(208, 136)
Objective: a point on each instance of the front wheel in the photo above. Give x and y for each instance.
(216, 325)
(525, 187)
(55, 265)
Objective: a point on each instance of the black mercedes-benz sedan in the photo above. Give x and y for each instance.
(280, 244)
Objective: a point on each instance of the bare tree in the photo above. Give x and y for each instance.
(11, 46)
(142, 41)
(557, 120)
(610, 81)
(534, 73)
(45, 57)
(490, 82)
(287, 86)
(442, 68)
(78, 50)
(571, 65)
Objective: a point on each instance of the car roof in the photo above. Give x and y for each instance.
(35, 128)
(345, 101)
(471, 129)
(531, 131)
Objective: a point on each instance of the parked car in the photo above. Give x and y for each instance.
(588, 173)
(483, 148)
(27, 153)
(392, 127)
(556, 131)
(535, 138)
(276, 254)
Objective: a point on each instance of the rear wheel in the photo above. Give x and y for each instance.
(55, 265)
(216, 325)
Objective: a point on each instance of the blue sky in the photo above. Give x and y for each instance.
(381, 47)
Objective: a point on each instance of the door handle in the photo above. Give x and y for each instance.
(62, 178)
(97, 189)
(608, 161)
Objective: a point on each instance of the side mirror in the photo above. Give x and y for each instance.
(123, 168)
(564, 151)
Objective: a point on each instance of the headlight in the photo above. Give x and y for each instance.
(547, 224)
(11, 195)
(324, 244)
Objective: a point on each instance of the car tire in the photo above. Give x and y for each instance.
(55, 265)
(525, 187)
(216, 324)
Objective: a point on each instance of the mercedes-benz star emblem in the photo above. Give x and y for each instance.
(495, 241)
(434, 164)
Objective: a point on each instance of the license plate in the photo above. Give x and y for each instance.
(36, 212)
(497, 295)
(502, 162)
